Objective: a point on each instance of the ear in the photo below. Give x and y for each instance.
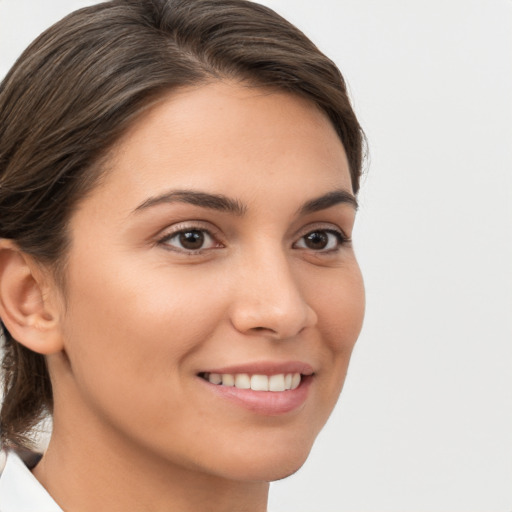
(28, 302)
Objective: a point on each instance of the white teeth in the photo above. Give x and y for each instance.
(295, 380)
(242, 381)
(276, 382)
(215, 378)
(228, 380)
(257, 382)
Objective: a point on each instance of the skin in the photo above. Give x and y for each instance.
(135, 428)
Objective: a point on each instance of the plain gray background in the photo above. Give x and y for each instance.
(425, 421)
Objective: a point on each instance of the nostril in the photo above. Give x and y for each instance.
(264, 330)
(280, 317)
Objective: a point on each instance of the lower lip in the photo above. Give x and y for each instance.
(268, 403)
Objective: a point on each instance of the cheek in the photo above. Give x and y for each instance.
(340, 317)
(132, 328)
(130, 340)
(340, 308)
(133, 300)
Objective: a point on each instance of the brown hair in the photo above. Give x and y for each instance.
(77, 88)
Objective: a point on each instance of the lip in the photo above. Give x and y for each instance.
(265, 368)
(266, 403)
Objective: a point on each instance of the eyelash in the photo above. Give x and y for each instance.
(341, 240)
(189, 229)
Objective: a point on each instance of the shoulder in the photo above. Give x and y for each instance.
(19, 489)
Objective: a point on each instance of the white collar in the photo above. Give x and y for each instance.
(20, 491)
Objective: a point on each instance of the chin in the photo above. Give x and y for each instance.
(285, 471)
(268, 467)
(269, 472)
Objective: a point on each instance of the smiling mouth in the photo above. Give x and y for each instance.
(257, 382)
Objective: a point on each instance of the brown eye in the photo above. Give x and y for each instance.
(190, 240)
(317, 240)
(321, 240)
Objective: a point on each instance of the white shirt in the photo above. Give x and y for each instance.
(20, 491)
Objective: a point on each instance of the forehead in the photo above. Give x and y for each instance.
(226, 137)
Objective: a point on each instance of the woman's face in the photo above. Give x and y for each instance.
(217, 248)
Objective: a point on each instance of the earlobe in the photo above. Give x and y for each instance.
(26, 308)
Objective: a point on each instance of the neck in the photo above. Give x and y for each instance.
(90, 473)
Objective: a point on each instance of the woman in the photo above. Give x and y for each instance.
(178, 287)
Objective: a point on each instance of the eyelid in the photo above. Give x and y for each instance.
(184, 226)
(333, 229)
(321, 226)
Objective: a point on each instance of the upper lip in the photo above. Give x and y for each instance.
(265, 368)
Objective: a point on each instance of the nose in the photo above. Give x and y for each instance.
(269, 300)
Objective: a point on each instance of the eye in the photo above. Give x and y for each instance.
(322, 240)
(190, 240)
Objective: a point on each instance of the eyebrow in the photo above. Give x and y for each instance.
(333, 198)
(222, 203)
(205, 200)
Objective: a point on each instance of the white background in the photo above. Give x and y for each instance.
(425, 421)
